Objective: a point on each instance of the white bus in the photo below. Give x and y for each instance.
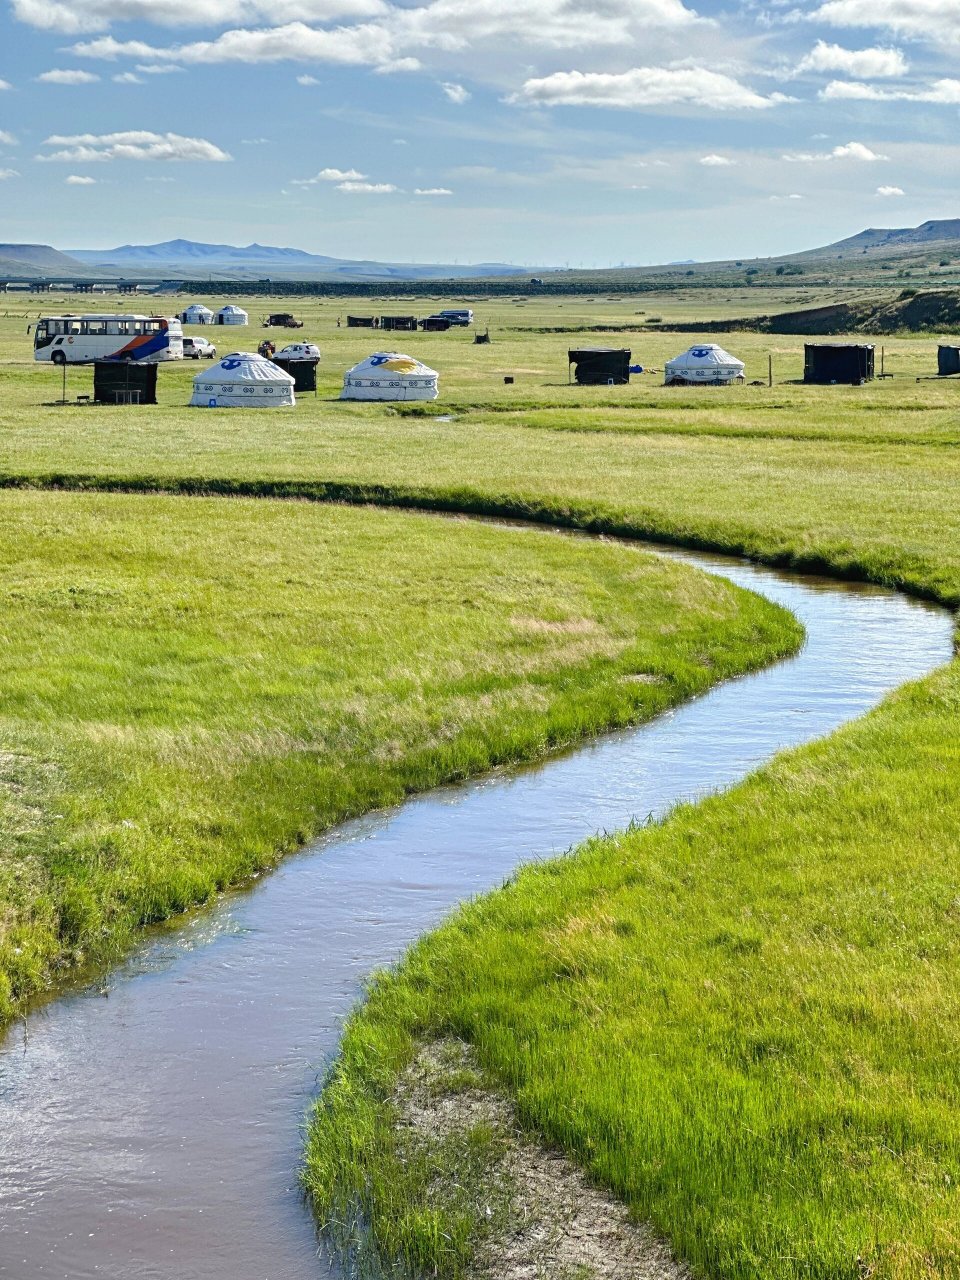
(83, 339)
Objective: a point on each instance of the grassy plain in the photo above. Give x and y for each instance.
(743, 1020)
(190, 688)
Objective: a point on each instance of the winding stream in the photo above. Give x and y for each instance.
(152, 1131)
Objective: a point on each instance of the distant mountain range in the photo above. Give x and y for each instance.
(193, 260)
(928, 233)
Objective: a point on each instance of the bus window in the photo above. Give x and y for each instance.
(56, 328)
(40, 333)
(152, 326)
(137, 326)
(74, 328)
(113, 327)
(95, 328)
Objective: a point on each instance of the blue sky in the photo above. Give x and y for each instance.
(548, 132)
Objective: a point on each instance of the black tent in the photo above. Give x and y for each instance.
(303, 372)
(434, 324)
(600, 366)
(825, 362)
(361, 322)
(948, 360)
(124, 382)
(398, 322)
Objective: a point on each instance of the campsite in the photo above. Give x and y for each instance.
(338, 606)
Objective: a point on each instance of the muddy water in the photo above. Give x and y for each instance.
(149, 1127)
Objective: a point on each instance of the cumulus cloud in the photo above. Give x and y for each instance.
(645, 87)
(5, 84)
(890, 191)
(6, 174)
(848, 151)
(77, 180)
(7, 139)
(61, 76)
(75, 17)
(942, 93)
(792, 196)
(368, 188)
(432, 191)
(307, 81)
(133, 145)
(456, 92)
(361, 45)
(716, 162)
(329, 175)
(932, 20)
(126, 77)
(869, 64)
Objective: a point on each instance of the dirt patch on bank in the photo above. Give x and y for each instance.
(540, 1217)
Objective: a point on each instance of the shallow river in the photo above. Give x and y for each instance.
(150, 1126)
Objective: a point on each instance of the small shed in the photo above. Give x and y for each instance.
(829, 362)
(243, 380)
(408, 323)
(948, 360)
(361, 322)
(196, 313)
(705, 365)
(300, 360)
(390, 375)
(232, 315)
(124, 382)
(600, 366)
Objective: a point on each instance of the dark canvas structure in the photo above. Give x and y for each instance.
(825, 362)
(409, 323)
(124, 382)
(948, 360)
(303, 372)
(361, 322)
(435, 324)
(600, 366)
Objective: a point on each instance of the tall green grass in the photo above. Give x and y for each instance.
(190, 688)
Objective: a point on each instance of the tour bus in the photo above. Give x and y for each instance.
(83, 339)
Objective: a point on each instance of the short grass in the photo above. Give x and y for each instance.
(190, 688)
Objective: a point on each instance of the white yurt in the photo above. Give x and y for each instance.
(196, 313)
(243, 380)
(707, 364)
(231, 315)
(390, 375)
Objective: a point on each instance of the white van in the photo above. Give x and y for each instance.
(457, 315)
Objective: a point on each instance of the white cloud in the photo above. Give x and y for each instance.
(645, 87)
(368, 188)
(157, 69)
(306, 81)
(7, 139)
(77, 180)
(890, 191)
(716, 162)
(61, 76)
(5, 84)
(848, 151)
(126, 77)
(74, 17)
(8, 173)
(870, 64)
(362, 45)
(329, 175)
(455, 92)
(432, 191)
(941, 93)
(792, 196)
(931, 20)
(132, 145)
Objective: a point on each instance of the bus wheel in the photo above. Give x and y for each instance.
(58, 357)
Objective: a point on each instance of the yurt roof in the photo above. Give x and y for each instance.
(393, 364)
(199, 308)
(243, 366)
(231, 310)
(705, 355)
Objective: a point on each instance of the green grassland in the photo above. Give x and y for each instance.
(190, 688)
(744, 1019)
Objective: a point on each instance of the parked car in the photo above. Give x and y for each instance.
(198, 349)
(299, 351)
(457, 315)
